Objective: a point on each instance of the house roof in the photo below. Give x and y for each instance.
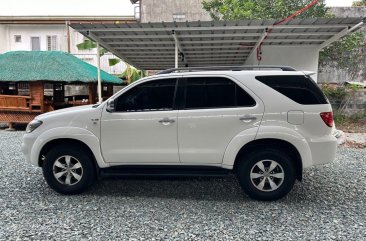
(49, 66)
(151, 46)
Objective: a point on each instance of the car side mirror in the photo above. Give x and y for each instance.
(110, 105)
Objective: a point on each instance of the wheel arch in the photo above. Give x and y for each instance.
(280, 144)
(63, 142)
(67, 135)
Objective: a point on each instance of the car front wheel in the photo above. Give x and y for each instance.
(68, 170)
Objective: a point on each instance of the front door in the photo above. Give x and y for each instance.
(143, 129)
(216, 109)
(35, 44)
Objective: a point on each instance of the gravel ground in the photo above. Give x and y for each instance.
(328, 205)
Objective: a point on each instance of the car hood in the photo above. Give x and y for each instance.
(71, 110)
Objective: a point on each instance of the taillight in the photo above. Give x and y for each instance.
(327, 117)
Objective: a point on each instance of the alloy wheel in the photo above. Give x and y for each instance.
(67, 170)
(267, 175)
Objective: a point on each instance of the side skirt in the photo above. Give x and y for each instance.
(163, 171)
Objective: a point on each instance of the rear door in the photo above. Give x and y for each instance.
(214, 111)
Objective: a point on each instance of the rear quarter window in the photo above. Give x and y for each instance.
(299, 88)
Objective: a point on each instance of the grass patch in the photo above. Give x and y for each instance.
(355, 123)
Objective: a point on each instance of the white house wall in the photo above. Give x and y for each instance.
(26, 31)
(301, 58)
(42, 31)
(3, 38)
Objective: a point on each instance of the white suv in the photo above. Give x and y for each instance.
(264, 126)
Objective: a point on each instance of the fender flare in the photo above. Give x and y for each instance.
(75, 133)
(236, 144)
(267, 132)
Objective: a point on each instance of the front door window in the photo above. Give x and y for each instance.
(151, 96)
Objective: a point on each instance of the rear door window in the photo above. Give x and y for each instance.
(215, 92)
(299, 88)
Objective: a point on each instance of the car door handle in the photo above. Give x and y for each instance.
(247, 118)
(166, 121)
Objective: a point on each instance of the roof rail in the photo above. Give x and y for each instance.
(232, 68)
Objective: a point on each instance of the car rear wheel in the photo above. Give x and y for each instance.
(68, 170)
(266, 174)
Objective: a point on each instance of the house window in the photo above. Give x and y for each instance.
(52, 42)
(23, 88)
(12, 86)
(179, 17)
(18, 38)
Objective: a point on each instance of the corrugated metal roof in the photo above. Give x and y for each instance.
(151, 45)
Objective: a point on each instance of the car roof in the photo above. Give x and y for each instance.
(228, 73)
(235, 71)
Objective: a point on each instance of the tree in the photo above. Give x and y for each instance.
(131, 74)
(361, 3)
(345, 54)
(88, 44)
(262, 9)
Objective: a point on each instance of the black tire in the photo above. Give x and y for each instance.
(251, 186)
(87, 169)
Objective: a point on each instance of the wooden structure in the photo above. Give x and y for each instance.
(19, 108)
(23, 96)
(16, 108)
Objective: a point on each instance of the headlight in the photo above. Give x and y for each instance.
(34, 124)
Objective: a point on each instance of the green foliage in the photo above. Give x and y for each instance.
(345, 54)
(334, 93)
(131, 74)
(102, 51)
(113, 62)
(88, 44)
(361, 3)
(340, 97)
(339, 118)
(262, 9)
(338, 93)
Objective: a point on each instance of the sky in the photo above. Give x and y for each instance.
(66, 7)
(85, 7)
(339, 3)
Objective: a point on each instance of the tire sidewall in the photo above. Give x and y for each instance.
(266, 154)
(85, 161)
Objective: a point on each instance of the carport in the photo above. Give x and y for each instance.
(157, 46)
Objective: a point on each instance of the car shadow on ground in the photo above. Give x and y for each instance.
(16, 127)
(187, 188)
(314, 188)
(197, 188)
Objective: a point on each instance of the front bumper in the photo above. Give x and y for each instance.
(27, 145)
